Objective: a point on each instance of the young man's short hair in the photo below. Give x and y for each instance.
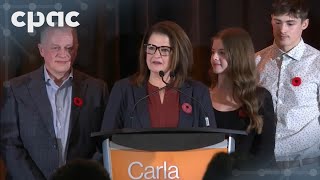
(295, 8)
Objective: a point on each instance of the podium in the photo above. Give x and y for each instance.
(162, 153)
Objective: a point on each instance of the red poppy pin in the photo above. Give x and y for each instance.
(187, 108)
(296, 81)
(77, 101)
(242, 113)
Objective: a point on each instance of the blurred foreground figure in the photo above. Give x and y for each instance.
(81, 169)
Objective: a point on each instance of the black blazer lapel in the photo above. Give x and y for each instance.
(79, 88)
(39, 95)
(185, 119)
(141, 114)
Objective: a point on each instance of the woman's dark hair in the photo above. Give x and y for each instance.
(181, 58)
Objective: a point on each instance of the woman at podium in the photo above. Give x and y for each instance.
(160, 94)
(238, 102)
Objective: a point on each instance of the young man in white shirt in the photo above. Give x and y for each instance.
(290, 70)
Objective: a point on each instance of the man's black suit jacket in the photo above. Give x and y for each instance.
(28, 142)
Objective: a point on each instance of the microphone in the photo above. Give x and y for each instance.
(161, 74)
(172, 75)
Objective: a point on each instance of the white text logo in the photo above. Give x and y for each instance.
(16, 19)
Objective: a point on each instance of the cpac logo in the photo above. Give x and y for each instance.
(31, 24)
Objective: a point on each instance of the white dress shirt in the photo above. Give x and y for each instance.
(60, 100)
(296, 104)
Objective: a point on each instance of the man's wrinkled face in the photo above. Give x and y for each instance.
(58, 49)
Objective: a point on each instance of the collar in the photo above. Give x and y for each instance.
(295, 53)
(47, 78)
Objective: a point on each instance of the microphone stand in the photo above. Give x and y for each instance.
(172, 75)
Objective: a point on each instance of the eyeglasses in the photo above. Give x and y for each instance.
(163, 50)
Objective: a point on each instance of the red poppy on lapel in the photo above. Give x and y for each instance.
(77, 101)
(242, 113)
(296, 81)
(187, 108)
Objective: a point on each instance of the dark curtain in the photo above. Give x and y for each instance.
(110, 31)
